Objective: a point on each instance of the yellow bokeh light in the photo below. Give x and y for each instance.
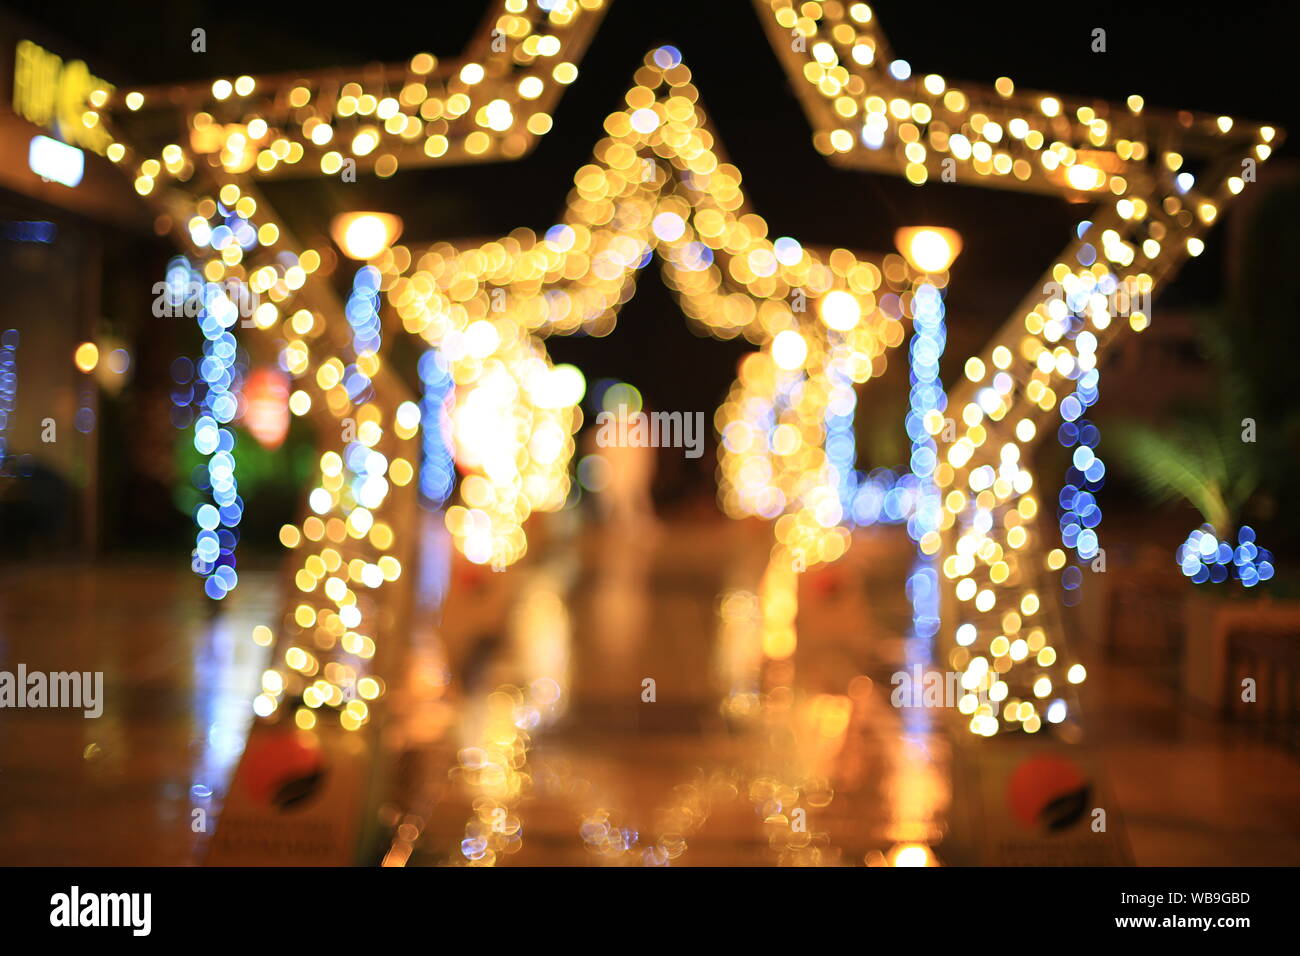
(86, 356)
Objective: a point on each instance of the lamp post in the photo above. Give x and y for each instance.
(929, 249)
(364, 235)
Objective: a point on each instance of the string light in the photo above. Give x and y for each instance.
(404, 115)
(218, 379)
(1203, 557)
(437, 467)
(494, 302)
(1148, 219)
(657, 184)
(8, 386)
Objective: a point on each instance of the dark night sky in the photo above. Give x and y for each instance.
(1222, 58)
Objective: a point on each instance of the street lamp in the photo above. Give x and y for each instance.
(930, 249)
(364, 235)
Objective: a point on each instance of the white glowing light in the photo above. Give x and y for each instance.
(789, 350)
(56, 162)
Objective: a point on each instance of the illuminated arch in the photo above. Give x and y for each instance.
(657, 183)
(869, 112)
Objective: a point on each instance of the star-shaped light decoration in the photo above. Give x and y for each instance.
(657, 182)
(196, 153)
(493, 102)
(1158, 181)
(914, 126)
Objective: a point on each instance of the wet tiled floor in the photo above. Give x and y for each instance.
(122, 788)
(735, 761)
(705, 773)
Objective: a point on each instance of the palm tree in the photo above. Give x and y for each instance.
(1203, 457)
(1203, 462)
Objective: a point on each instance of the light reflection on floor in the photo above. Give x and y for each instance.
(565, 759)
(524, 705)
(178, 681)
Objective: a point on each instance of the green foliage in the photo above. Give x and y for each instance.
(1194, 460)
(1201, 457)
(268, 480)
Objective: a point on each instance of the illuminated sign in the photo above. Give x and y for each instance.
(55, 95)
(56, 161)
